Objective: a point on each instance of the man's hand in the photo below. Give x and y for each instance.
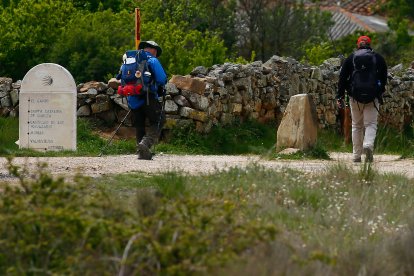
(340, 103)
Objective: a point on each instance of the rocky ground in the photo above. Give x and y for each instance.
(194, 164)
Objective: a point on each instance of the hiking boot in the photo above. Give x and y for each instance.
(368, 155)
(144, 152)
(356, 159)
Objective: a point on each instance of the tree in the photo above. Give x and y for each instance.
(183, 50)
(279, 27)
(92, 44)
(212, 16)
(27, 31)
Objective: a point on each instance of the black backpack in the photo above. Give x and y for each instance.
(364, 76)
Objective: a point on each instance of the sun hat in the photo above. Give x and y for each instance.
(150, 44)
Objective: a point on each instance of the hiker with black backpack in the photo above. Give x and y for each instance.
(363, 76)
(143, 79)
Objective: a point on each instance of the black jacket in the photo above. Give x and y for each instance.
(345, 76)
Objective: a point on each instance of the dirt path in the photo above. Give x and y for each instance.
(195, 164)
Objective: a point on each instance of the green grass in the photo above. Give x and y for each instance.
(239, 138)
(240, 221)
(341, 221)
(88, 143)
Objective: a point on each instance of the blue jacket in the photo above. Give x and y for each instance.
(158, 78)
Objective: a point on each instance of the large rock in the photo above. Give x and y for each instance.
(190, 113)
(190, 84)
(299, 126)
(197, 101)
(98, 86)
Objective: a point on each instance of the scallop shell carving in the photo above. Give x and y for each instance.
(47, 80)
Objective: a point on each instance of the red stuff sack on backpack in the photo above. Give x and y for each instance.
(130, 90)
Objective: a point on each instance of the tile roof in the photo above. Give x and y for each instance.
(364, 7)
(347, 22)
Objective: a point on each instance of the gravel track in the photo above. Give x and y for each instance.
(194, 164)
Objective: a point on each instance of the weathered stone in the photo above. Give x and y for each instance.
(109, 116)
(171, 107)
(6, 101)
(17, 84)
(236, 108)
(100, 107)
(101, 98)
(172, 89)
(114, 83)
(98, 86)
(181, 101)
(197, 101)
(83, 111)
(110, 91)
(92, 92)
(121, 101)
(199, 70)
(298, 128)
(190, 84)
(316, 74)
(14, 96)
(5, 84)
(226, 118)
(243, 83)
(188, 112)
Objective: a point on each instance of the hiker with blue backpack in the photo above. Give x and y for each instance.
(143, 79)
(363, 76)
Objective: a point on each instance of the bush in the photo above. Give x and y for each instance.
(50, 226)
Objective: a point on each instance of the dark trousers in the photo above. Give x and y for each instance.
(151, 112)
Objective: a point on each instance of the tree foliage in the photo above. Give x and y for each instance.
(279, 27)
(91, 44)
(27, 31)
(89, 37)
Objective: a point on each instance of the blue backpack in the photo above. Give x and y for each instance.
(135, 60)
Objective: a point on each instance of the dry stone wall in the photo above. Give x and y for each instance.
(222, 93)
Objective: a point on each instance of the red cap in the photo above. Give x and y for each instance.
(363, 40)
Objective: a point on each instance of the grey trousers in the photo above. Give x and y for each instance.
(364, 125)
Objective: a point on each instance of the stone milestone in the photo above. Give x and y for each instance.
(47, 112)
(299, 126)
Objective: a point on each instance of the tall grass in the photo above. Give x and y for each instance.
(338, 223)
(231, 222)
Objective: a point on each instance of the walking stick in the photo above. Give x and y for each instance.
(347, 124)
(116, 130)
(345, 121)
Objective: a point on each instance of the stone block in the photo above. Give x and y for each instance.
(197, 101)
(190, 84)
(6, 101)
(14, 96)
(100, 107)
(190, 113)
(299, 126)
(98, 86)
(83, 111)
(5, 84)
(114, 83)
(171, 107)
(181, 101)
